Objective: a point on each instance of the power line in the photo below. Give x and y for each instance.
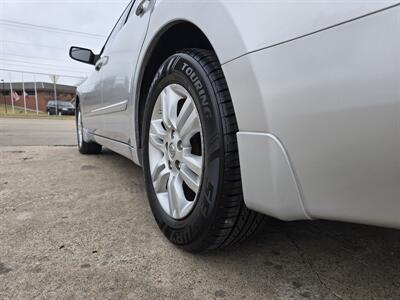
(32, 44)
(44, 64)
(39, 73)
(22, 69)
(49, 66)
(48, 28)
(35, 57)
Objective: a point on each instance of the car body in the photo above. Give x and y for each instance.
(60, 107)
(315, 88)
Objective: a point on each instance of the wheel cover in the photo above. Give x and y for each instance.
(176, 151)
(80, 129)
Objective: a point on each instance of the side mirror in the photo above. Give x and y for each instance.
(83, 55)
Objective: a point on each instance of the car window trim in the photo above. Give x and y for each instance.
(129, 6)
(130, 11)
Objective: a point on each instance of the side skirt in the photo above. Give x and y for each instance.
(118, 147)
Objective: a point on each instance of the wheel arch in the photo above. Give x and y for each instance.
(173, 37)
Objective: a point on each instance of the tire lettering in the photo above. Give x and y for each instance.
(208, 196)
(199, 87)
(181, 237)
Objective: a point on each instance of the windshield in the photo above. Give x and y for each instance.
(61, 104)
(65, 104)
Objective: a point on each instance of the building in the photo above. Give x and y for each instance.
(45, 93)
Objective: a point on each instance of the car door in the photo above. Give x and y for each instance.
(91, 100)
(119, 63)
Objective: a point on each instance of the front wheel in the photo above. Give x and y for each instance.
(190, 155)
(83, 146)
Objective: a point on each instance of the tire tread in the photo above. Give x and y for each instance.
(235, 222)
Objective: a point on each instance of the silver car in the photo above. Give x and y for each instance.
(238, 110)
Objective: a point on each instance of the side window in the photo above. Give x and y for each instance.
(121, 22)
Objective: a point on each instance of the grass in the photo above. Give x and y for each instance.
(20, 113)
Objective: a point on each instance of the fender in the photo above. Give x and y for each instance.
(237, 28)
(232, 33)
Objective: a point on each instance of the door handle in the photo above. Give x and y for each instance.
(142, 8)
(101, 63)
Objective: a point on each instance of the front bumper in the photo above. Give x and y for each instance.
(68, 112)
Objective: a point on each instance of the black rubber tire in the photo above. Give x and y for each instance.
(85, 147)
(219, 217)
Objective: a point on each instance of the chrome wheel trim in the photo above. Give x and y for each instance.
(80, 129)
(176, 151)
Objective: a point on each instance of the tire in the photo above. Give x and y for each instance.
(218, 217)
(84, 147)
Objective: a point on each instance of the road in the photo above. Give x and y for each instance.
(79, 227)
(36, 132)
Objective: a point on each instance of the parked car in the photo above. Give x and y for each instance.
(241, 110)
(63, 108)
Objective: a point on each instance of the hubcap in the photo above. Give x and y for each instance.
(172, 150)
(176, 151)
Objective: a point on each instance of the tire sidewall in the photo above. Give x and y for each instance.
(191, 231)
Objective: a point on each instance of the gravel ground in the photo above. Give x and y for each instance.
(79, 227)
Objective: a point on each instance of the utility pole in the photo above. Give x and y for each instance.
(55, 96)
(23, 91)
(11, 94)
(4, 97)
(36, 97)
(55, 78)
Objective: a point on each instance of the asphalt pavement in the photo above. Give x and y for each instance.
(37, 132)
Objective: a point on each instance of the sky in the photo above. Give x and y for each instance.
(35, 35)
